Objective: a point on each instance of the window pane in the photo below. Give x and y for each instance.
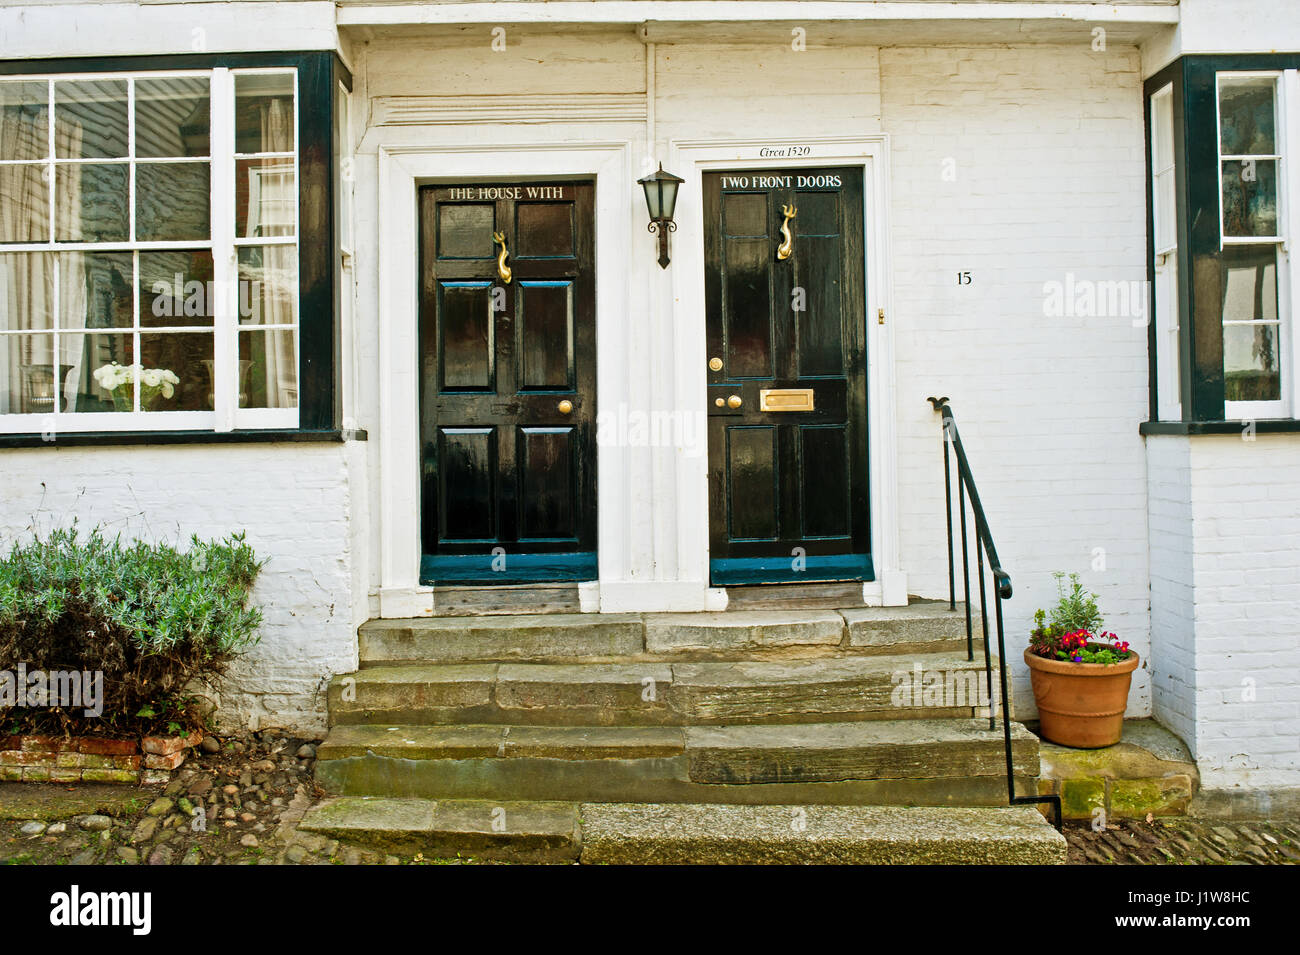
(176, 288)
(343, 168)
(265, 198)
(1250, 283)
(24, 204)
(268, 285)
(173, 117)
(95, 290)
(24, 120)
(185, 357)
(1250, 351)
(1250, 197)
(90, 202)
(26, 374)
(1162, 129)
(112, 389)
(1246, 116)
(1250, 363)
(264, 113)
(26, 291)
(173, 201)
(268, 363)
(90, 119)
(1166, 211)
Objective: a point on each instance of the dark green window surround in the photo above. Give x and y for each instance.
(1199, 261)
(319, 74)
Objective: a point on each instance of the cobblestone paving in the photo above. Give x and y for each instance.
(1179, 840)
(237, 802)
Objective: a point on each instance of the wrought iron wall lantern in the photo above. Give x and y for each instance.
(661, 199)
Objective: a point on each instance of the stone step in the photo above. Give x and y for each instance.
(446, 828)
(920, 627)
(706, 834)
(653, 692)
(629, 834)
(909, 762)
(522, 637)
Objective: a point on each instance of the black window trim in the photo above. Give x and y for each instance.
(1196, 177)
(319, 340)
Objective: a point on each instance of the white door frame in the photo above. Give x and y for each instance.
(650, 343)
(690, 159)
(411, 156)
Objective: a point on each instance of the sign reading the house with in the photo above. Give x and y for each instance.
(497, 193)
(810, 181)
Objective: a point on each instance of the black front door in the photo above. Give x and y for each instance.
(786, 300)
(507, 382)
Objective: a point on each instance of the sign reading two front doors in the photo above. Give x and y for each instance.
(507, 382)
(787, 393)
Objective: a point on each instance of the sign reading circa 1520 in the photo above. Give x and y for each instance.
(524, 191)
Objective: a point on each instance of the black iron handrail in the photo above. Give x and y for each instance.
(985, 552)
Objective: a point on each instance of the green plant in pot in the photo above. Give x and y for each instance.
(1080, 673)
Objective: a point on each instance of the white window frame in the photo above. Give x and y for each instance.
(1286, 99)
(1165, 221)
(223, 244)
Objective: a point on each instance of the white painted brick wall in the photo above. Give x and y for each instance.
(1245, 503)
(293, 500)
(1047, 147)
(1173, 649)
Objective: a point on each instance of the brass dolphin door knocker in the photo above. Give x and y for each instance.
(785, 248)
(503, 270)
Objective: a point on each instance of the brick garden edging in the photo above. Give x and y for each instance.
(92, 759)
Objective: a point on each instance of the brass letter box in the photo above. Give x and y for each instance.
(785, 399)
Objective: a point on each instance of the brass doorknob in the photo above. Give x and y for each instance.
(715, 364)
(565, 406)
(733, 401)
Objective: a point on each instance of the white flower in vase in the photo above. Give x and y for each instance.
(119, 381)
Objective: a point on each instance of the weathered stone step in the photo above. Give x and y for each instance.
(923, 626)
(917, 762)
(623, 834)
(523, 637)
(660, 693)
(510, 830)
(656, 833)
(826, 752)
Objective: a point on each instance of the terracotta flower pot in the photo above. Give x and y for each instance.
(1081, 704)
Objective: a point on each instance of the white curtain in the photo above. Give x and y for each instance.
(73, 300)
(27, 278)
(272, 199)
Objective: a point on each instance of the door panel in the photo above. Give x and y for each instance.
(747, 308)
(546, 335)
(467, 349)
(825, 503)
(466, 482)
(787, 488)
(465, 230)
(507, 383)
(546, 458)
(752, 478)
(545, 229)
